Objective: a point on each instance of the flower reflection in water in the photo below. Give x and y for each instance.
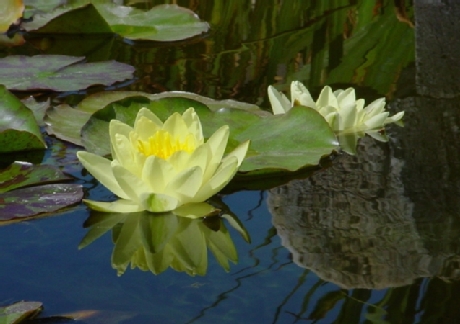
(154, 242)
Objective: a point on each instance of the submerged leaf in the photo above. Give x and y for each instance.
(59, 72)
(18, 128)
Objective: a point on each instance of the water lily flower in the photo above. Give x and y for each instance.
(10, 13)
(159, 166)
(339, 108)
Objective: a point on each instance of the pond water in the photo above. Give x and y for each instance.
(374, 238)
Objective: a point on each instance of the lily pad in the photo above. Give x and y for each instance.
(18, 128)
(66, 122)
(31, 201)
(286, 142)
(20, 175)
(161, 23)
(59, 72)
(17, 201)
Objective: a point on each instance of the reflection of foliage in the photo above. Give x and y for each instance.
(155, 242)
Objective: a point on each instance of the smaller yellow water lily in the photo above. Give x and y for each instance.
(159, 166)
(339, 108)
(11, 11)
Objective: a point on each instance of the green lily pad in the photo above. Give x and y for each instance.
(18, 312)
(161, 23)
(77, 18)
(286, 142)
(18, 128)
(66, 122)
(59, 72)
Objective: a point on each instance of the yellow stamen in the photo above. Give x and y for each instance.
(163, 145)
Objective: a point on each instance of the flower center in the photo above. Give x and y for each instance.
(163, 145)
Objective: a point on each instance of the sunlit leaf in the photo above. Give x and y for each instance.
(291, 141)
(59, 72)
(161, 23)
(66, 122)
(18, 128)
(31, 201)
(20, 175)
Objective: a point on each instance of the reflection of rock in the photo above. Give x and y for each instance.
(351, 223)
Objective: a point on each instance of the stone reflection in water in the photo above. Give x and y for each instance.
(351, 224)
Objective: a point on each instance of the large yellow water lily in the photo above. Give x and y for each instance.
(11, 11)
(340, 108)
(160, 166)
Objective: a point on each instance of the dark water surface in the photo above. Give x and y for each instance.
(375, 238)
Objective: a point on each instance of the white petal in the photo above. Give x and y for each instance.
(101, 169)
(326, 98)
(117, 206)
(144, 128)
(374, 108)
(145, 112)
(300, 95)
(279, 102)
(130, 184)
(123, 151)
(158, 203)
(217, 144)
(117, 127)
(185, 184)
(220, 179)
(157, 172)
(395, 118)
(347, 117)
(176, 126)
(346, 97)
(193, 123)
(179, 160)
(239, 152)
(376, 121)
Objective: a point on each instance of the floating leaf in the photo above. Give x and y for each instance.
(19, 312)
(59, 72)
(31, 201)
(285, 142)
(18, 129)
(20, 175)
(37, 108)
(78, 18)
(66, 122)
(161, 23)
